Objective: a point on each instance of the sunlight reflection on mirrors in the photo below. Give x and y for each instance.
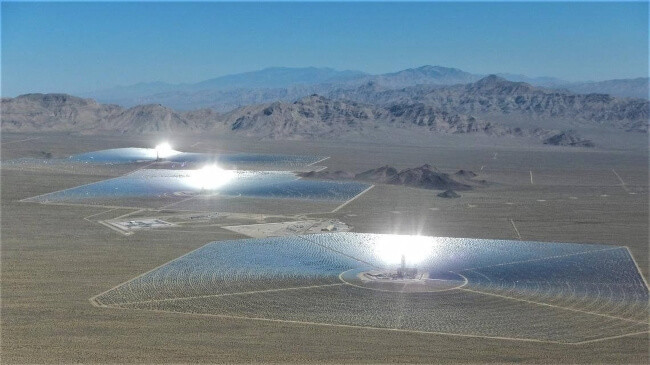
(415, 249)
(210, 177)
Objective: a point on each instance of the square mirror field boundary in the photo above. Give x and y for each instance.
(512, 290)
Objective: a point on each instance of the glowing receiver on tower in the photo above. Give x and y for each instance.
(164, 150)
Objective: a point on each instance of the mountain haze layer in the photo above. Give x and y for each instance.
(630, 88)
(228, 92)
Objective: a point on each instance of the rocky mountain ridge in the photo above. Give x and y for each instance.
(493, 98)
(475, 108)
(320, 117)
(61, 112)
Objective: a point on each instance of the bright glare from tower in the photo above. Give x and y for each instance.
(164, 150)
(210, 177)
(415, 249)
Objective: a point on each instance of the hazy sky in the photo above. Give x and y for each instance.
(72, 47)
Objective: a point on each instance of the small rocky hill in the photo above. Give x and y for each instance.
(568, 138)
(423, 177)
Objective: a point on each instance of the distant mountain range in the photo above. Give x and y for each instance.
(490, 106)
(226, 93)
(230, 91)
(626, 88)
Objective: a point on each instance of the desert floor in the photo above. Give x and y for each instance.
(54, 260)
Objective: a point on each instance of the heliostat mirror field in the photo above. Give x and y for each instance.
(131, 155)
(534, 291)
(156, 183)
(199, 181)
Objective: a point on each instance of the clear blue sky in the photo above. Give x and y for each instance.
(72, 47)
